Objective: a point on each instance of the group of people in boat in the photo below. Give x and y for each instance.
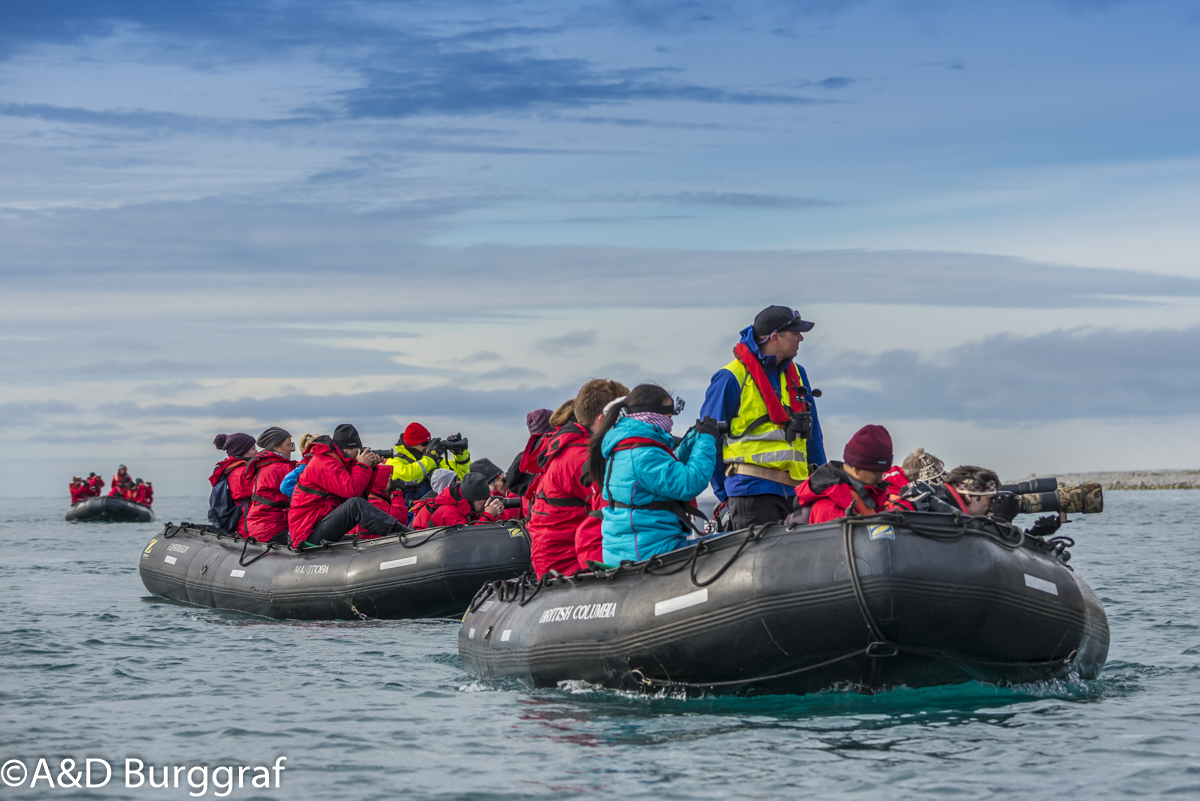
(123, 486)
(602, 479)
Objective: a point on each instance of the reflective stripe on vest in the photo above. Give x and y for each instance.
(754, 439)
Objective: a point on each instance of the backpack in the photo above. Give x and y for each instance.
(223, 512)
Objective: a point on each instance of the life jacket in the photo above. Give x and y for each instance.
(223, 511)
(757, 443)
(678, 508)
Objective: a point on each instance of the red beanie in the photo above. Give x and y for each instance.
(869, 449)
(416, 434)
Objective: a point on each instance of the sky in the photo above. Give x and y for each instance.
(221, 215)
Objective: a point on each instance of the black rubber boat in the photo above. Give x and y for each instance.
(429, 573)
(109, 510)
(934, 599)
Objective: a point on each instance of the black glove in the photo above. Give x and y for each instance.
(709, 426)
(799, 427)
(456, 443)
(1044, 526)
(1006, 506)
(437, 448)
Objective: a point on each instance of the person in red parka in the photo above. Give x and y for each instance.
(267, 520)
(137, 493)
(498, 485)
(239, 449)
(120, 479)
(79, 490)
(467, 503)
(387, 497)
(118, 491)
(330, 495)
(865, 481)
(149, 493)
(560, 499)
(95, 485)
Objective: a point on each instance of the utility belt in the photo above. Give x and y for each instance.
(758, 471)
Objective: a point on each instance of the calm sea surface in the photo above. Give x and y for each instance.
(91, 666)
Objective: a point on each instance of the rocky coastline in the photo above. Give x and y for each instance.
(1133, 479)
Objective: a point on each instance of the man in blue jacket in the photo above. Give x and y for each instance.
(774, 433)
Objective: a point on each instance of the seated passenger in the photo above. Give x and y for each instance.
(644, 478)
(417, 456)
(149, 493)
(95, 485)
(438, 480)
(967, 489)
(230, 497)
(498, 485)
(137, 493)
(468, 502)
(79, 490)
(558, 497)
(524, 465)
(118, 491)
(267, 518)
(288, 485)
(330, 499)
(865, 481)
(922, 466)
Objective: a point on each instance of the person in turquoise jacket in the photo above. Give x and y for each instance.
(644, 479)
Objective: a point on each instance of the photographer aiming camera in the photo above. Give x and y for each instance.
(497, 484)
(468, 502)
(418, 453)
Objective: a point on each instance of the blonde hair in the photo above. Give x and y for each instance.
(305, 441)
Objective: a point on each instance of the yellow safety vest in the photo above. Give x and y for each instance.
(764, 445)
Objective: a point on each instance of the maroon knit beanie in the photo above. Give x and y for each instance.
(416, 434)
(233, 444)
(538, 421)
(869, 449)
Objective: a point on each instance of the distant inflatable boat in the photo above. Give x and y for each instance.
(933, 599)
(428, 573)
(109, 510)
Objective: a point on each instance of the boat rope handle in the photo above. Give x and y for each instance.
(880, 646)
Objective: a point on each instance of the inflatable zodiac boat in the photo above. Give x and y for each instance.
(429, 573)
(109, 510)
(932, 599)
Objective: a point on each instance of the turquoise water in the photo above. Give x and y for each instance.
(91, 666)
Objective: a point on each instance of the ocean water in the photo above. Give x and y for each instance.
(91, 666)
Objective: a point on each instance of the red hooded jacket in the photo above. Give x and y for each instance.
(149, 494)
(268, 513)
(117, 491)
(383, 498)
(589, 542)
(330, 478)
(137, 494)
(450, 508)
(78, 492)
(240, 488)
(560, 500)
(831, 497)
(95, 484)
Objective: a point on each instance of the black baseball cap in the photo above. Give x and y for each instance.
(779, 318)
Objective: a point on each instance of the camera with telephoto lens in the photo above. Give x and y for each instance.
(383, 454)
(511, 503)
(1044, 495)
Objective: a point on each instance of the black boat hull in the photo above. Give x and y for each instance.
(785, 616)
(109, 510)
(431, 573)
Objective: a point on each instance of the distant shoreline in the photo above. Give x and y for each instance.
(1133, 479)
